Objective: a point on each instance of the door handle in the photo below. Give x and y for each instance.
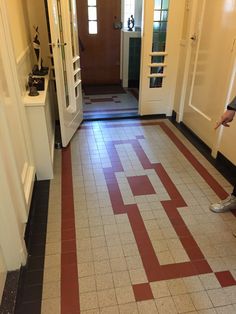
(117, 25)
(59, 44)
(53, 45)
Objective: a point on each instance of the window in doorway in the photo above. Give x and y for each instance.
(129, 7)
(92, 17)
(158, 53)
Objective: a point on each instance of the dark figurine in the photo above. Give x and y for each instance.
(130, 23)
(37, 82)
(32, 89)
(38, 69)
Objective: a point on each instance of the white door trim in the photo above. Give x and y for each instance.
(27, 177)
(15, 187)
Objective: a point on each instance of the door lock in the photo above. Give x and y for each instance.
(117, 25)
(53, 45)
(194, 37)
(61, 44)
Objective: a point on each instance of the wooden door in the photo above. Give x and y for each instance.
(212, 49)
(100, 52)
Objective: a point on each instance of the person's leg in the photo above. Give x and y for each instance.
(234, 190)
(225, 205)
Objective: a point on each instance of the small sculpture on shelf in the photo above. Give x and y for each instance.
(38, 69)
(32, 89)
(131, 23)
(35, 84)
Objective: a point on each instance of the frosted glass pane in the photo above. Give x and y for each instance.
(92, 13)
(158, 4)
(92, 2)
(156, 26)
(164, 15)
(157, 15)
(165, 5)
(74, 28)
(93, 28)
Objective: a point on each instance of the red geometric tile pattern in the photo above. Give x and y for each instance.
(197, 263)
(141, 185)
(69, 271)
(154, 271)
(225, 278)
(89, 100)
(142, 292)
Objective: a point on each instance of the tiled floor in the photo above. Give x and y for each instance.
(129, 229)
(110, 105)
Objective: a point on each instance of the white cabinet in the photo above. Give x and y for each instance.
(40, 115)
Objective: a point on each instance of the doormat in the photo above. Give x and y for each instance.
(103, 89)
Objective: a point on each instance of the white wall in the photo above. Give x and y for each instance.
(37, 17)
(18, 18)
(138, 13)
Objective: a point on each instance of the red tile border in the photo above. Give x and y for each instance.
(69, 272)
(142, 292)
(216, 187)
(225, 278)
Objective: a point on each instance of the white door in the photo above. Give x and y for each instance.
(17, 169)
(64, 41)
(212, 42)
(162, 29)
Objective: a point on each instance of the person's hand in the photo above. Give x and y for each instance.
(227, 117)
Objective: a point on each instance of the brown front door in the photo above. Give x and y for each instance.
(100, 53)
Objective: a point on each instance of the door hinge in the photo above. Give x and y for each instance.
(188, 5)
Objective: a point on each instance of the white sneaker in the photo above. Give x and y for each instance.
(225, 205)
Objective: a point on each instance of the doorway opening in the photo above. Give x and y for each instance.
(110, 48)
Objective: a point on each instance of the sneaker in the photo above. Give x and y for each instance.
(225, 205)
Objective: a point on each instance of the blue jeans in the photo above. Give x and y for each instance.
(234, 190)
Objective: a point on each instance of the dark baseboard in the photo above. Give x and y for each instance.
(112, 117)
(133, 83)
(221, 163)
(30, 283)
(8, 302)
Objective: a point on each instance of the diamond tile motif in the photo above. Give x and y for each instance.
(141, 185)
